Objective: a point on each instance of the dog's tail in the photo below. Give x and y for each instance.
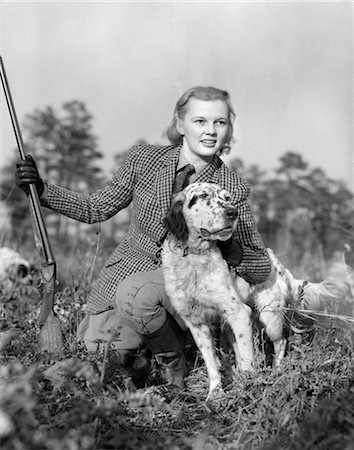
(333, 295)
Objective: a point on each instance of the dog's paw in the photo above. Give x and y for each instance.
(217, 399)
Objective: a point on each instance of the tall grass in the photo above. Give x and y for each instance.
(80, 401)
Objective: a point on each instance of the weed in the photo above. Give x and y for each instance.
(82, 401)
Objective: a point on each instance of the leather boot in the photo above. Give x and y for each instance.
(166, 344)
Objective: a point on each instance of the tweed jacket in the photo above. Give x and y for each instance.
(145, 180)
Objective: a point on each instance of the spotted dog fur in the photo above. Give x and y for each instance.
(197, 278)
(15, 273)
(200, 284)
(14, 270)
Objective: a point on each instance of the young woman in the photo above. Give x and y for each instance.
(131, 283)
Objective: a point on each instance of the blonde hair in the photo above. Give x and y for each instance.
(201, 93)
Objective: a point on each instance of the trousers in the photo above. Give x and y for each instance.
(140, 308)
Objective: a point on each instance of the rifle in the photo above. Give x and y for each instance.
(50, 336)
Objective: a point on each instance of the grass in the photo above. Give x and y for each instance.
(79, 401)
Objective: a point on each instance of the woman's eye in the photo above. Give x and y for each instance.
(221, 123)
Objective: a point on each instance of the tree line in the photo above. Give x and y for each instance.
(297, 207)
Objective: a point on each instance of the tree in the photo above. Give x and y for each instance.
(65, 145)
(292, 166)
(65, 150)
(294, 189)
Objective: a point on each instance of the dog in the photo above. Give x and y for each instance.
(201, 285)
(15, 271)
(197, 278)
(195, 273)
(15, 274)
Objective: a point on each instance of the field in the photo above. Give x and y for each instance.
(80, 401)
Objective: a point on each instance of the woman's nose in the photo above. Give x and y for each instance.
(211, 128)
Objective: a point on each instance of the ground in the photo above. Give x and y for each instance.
(78, 401)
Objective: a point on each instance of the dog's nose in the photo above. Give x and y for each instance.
(231, 212)
(22, 271)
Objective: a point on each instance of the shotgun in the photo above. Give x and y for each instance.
(50, 336)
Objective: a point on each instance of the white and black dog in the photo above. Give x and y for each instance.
(15, 270)
(15, 274)
(197, 278)
(200, 284)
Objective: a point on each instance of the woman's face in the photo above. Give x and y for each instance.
(204, 128)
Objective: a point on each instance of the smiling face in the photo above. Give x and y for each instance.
(204, 128)
(208, 211)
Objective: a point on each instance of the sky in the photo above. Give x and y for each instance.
(288, 67)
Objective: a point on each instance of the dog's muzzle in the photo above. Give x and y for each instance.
(230, 214)
(207, 234)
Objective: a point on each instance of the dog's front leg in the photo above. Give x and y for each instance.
(238, 317)
(203, 338)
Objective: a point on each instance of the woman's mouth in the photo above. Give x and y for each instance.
(209, 142)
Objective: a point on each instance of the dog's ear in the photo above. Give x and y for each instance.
(174, 221)
(12, 272)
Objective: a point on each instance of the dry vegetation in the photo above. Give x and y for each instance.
(80, 401)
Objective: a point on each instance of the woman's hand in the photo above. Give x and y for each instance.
(26, 174)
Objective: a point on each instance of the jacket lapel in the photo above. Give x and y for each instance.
(210, 173)
(166, 175)
(165, 178)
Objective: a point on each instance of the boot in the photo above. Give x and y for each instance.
(166, 344)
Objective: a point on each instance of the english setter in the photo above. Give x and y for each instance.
(15, 273)
(197, 278)
(200, 284)
(14, 270)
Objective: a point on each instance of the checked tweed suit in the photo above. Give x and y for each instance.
(145, 180)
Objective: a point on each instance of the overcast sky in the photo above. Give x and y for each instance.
(287, 65)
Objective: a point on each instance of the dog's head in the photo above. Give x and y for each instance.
(14, 269)
(203, 210)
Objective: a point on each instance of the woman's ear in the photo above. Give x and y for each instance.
(179, 126)
(174, 221)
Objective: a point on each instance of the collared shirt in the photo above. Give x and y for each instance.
(183, 161)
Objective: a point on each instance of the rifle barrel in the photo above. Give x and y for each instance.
(34, 200)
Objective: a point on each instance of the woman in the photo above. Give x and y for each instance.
(131, 285)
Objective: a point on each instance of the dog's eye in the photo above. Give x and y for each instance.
(22, 271)
(203, 195)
